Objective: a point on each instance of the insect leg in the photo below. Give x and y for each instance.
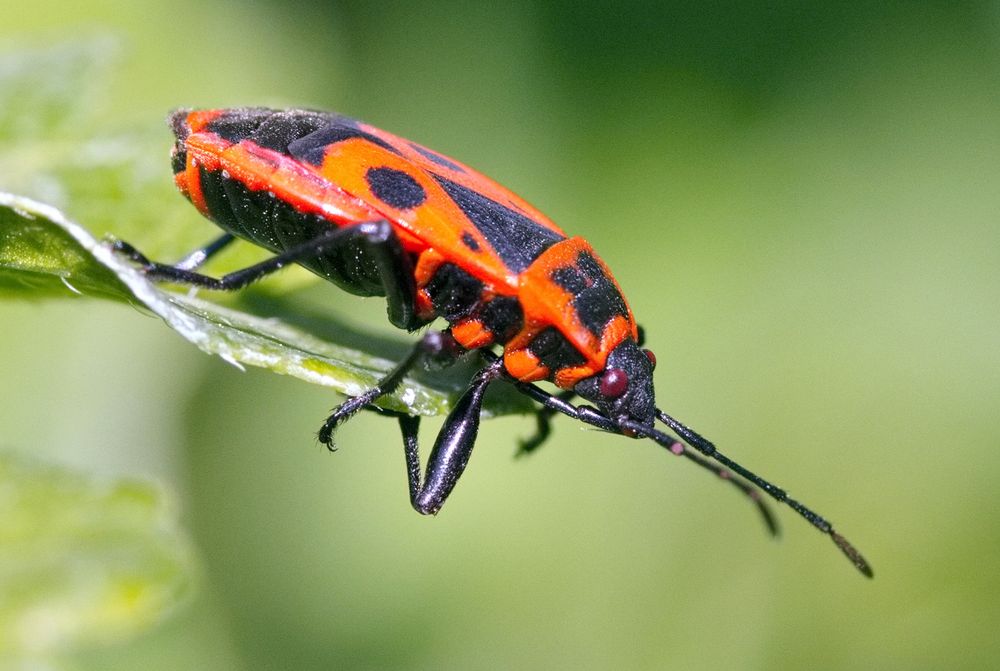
(199, 256)
(394, 265)
(454, 443)
(453, 446)
(437, 346)
(239, 278)
(409, 426)
(543, 416)
(395, 269)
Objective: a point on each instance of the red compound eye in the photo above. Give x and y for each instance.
(614, 383)
(651, 357)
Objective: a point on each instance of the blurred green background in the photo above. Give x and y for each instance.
(801, 203)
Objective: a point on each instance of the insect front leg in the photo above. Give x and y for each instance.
(559, 403)
(543, 417)
(452, 448)
(457, 437)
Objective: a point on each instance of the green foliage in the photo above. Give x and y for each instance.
(84, 561)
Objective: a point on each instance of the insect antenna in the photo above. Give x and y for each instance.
(705, 447)
(752, 492)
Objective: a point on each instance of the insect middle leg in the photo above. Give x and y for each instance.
(437, 346)
(543, 428)
(198, 257)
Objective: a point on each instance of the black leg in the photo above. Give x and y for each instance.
(395, 270)
(454, 443)
(453, 446)
(438, 346)
(199, 256)
(409, 426)
(543, 417)
(235, 280)
(379, 240)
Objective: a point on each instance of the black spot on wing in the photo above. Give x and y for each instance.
(469, 241)
(312, 147)
(395, 187)
(517, 239)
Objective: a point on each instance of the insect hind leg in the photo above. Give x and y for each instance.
(395, 268)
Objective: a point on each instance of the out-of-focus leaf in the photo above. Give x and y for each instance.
(84, 561)
(58, 148)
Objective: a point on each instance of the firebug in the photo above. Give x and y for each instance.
(379, 215)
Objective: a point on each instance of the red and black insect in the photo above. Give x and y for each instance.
(378, 215)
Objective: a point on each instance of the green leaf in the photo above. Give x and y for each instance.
(84, 561)
(41, 253)
(44, 254)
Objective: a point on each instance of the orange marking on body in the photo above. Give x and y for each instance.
(199, 119)
(425, 308)
(192, 180)
(545, 303)
(427, 264)
(463, 175)
(617, 330)
(566, 378)
(471, 334)
(261, 169)
(524, 365)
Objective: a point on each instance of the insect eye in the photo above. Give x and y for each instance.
(614, 383)
(650, 356)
